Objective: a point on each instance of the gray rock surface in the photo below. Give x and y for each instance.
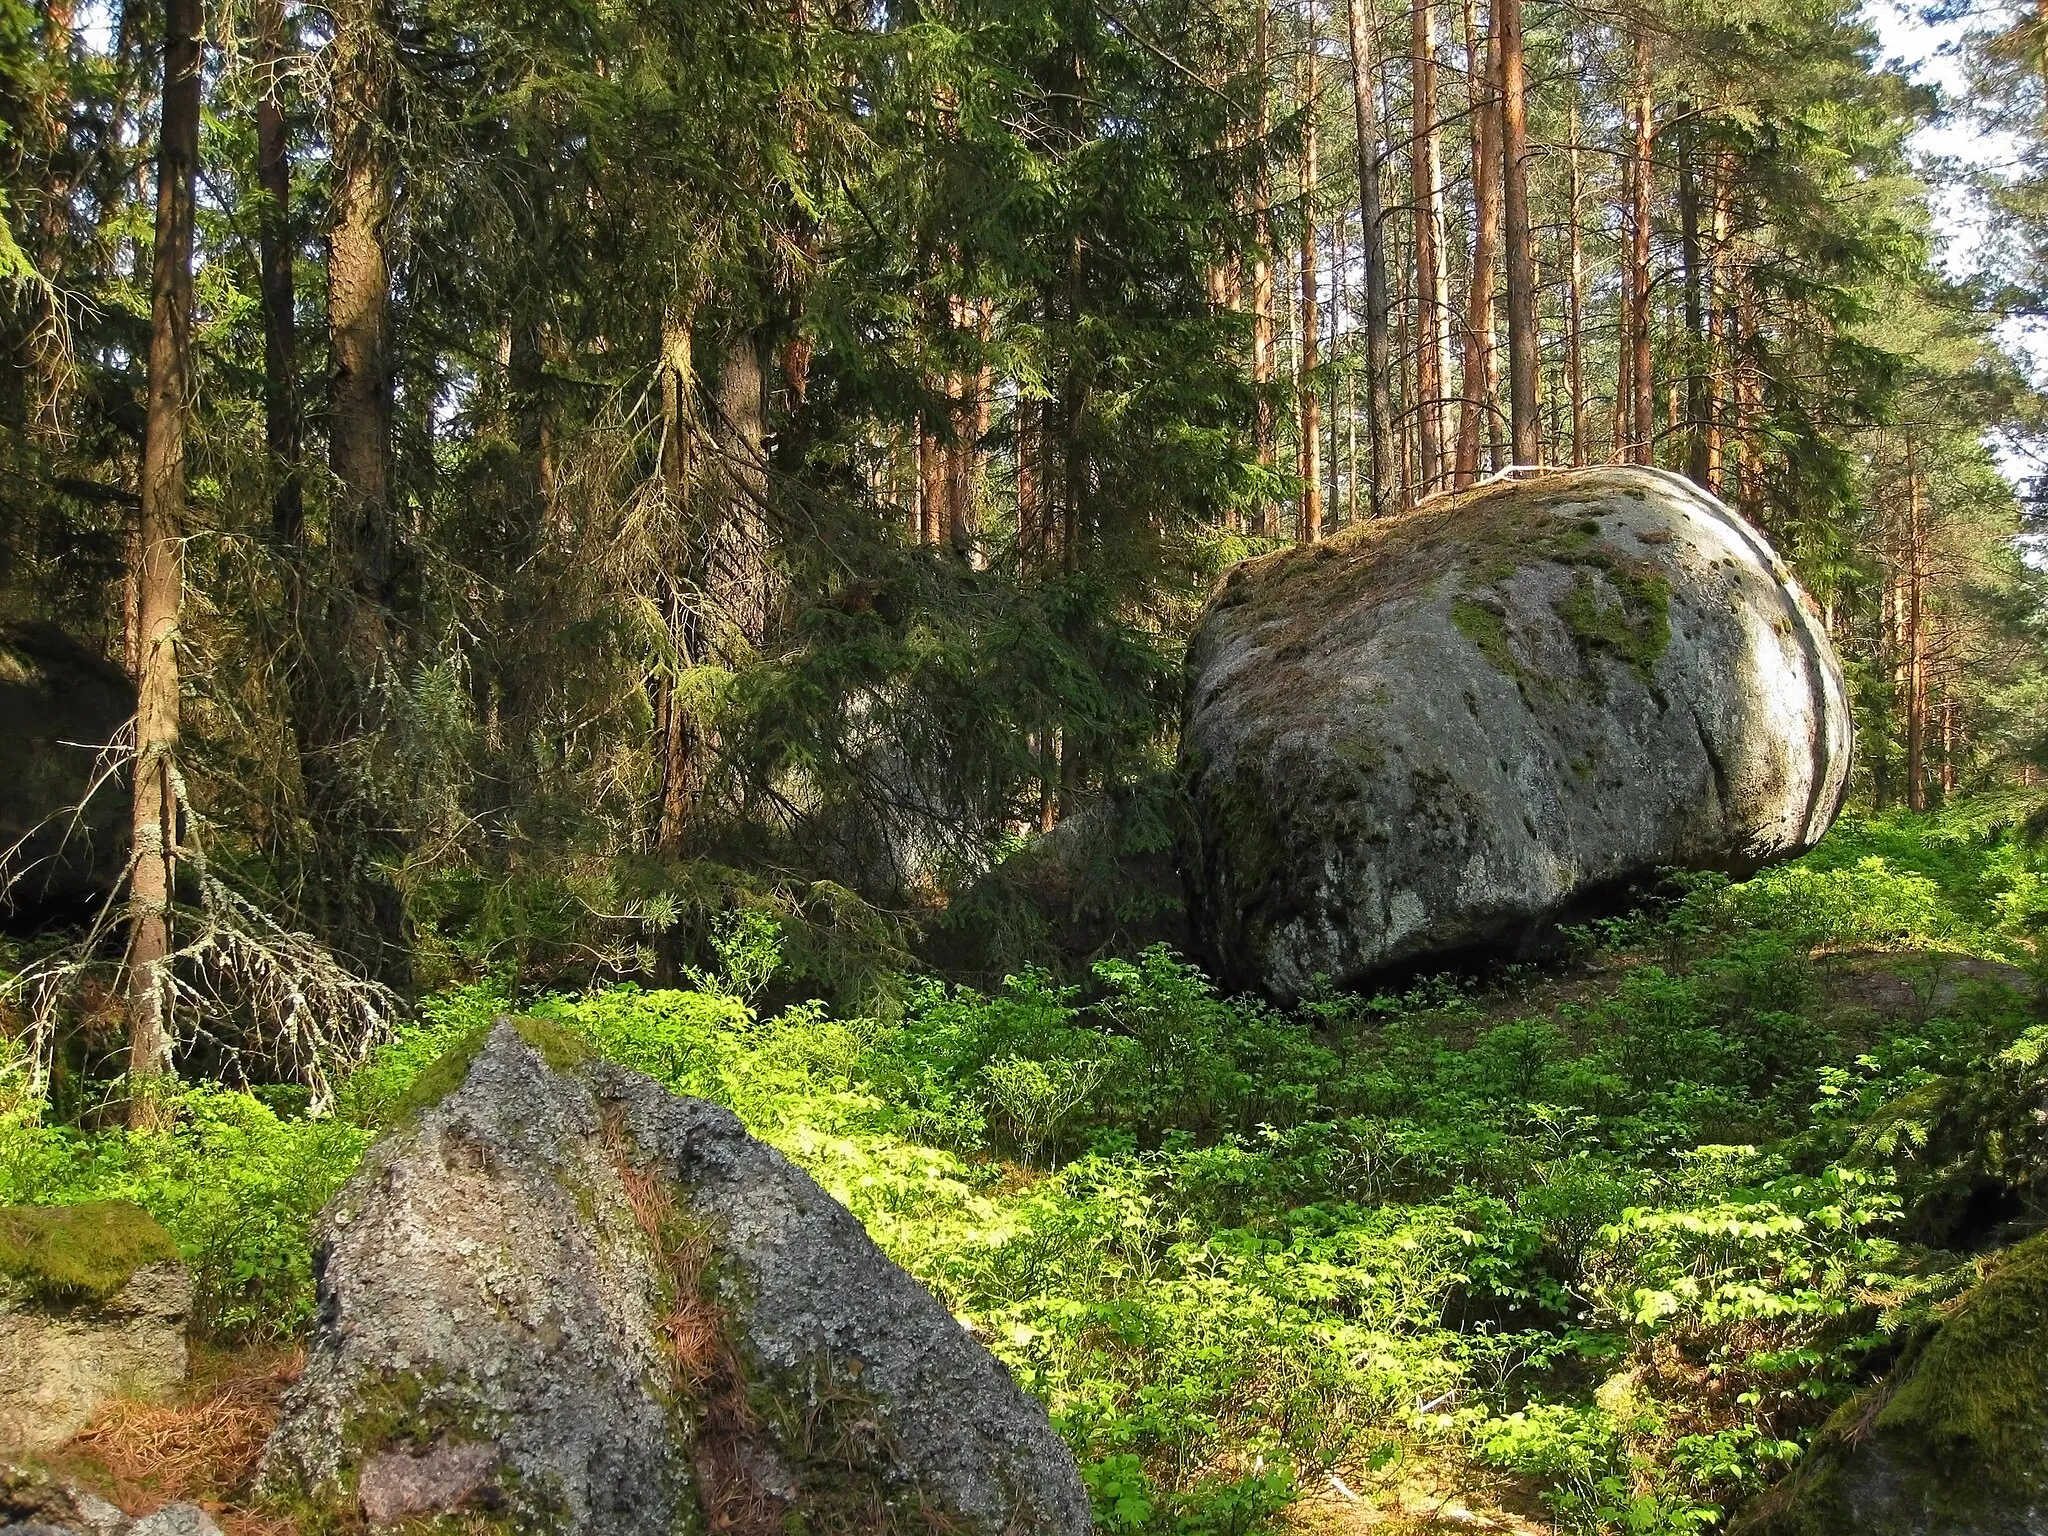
(1437, 736)
(394, 1486)
(174, 1520)
(60, 702)
(650, 1319)
(60, 1361)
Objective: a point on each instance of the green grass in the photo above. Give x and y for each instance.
(1626, 1235)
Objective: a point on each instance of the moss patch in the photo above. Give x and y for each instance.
(1487, 628)
(1957, 1430)
(69, 1253)
(1636, 629)
(562, 1049)
(1978, 1394)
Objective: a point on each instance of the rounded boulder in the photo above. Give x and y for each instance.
(1435, 737)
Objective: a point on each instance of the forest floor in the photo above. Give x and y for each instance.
(1592, 1247)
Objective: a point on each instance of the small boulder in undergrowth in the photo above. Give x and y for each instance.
(562, 1298)
(1441, 735)
(1953, 1443)
(93, 1302)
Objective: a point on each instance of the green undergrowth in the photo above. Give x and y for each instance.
(1622, 1235)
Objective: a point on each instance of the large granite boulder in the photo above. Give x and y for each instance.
(569, 1300)
(60, 705)
(1953, 1443)
(1435, 737)
(93, 1303)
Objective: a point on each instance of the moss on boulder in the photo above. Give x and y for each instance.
(93, 1304)
(66, 1253)
(1954, 1442)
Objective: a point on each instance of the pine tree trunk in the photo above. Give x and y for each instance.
(160, 586)
(1621, 431)
(678, 749)
(1643, 409)
(1407, 416)
(737, 578)
(274, 264)
(1265, 435)
(1524, 337)
(1749, 467)
(1948, 744)
(1720, 323)
(1030, 532)
(361, 531)
(1575, 293)
(1074, 464)
(1309, 527)
(1379, 364)
(685, 631)
(1916, 640)
(1476, 405)
(971, 422)
(1432, 282)
(1692, 261)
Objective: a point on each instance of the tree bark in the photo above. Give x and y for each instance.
(1309, 527)
(161, 583)
(274, 247)
(1524, 339)
(1691, 260)
(970, 417)
(1432, 282)
(1264, 427)
(737, 576)
(1720, 323)
(1621, 430)
(1949, 741)
(1405, 417)
(1476, 403)
(361, 527)
(1916, 638)
(678, 746)
(1030, 532)
(1643, 408)
(1575, 295)
(1379, 365)
(1749, 401)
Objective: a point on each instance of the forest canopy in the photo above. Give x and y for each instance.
(561, 480)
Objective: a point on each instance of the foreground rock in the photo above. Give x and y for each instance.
(1955, 1443)
(32, 1504)
(1438, 736)
(569, 1300)
(59, 704)
(93, 1303)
